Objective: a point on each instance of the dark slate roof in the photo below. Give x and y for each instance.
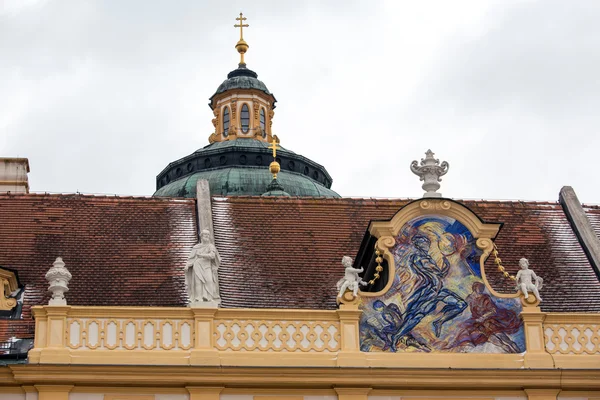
(242, 78)
(120, 251)
(286, 252)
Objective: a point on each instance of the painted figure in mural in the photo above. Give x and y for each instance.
(488, 323)
(433, 303)
(392, 316)
(430, 292)
(528, 281)
(201, 271)
(351, 280)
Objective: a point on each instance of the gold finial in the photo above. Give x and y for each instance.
(274, 167)
(241, 45)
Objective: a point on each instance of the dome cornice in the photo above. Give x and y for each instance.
(242, 153)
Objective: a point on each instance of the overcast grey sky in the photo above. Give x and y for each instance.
(102, 95)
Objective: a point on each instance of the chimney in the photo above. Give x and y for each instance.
(13, 175)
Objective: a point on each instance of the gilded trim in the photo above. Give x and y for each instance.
(8, 284)
(386, 231)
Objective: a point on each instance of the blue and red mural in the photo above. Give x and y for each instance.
(438, 301)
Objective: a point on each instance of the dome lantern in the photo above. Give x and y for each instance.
(235, 161)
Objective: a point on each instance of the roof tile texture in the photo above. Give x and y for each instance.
(276, 252)
(120, 251)
(286, 252)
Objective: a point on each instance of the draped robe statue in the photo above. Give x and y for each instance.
(201, 272)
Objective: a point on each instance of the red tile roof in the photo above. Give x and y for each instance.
(286, 252)
(277, 252)
(120, 251)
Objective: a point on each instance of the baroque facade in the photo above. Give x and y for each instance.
(116, 298)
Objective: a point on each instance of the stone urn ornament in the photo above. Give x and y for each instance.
(430, 171)
(58, 278)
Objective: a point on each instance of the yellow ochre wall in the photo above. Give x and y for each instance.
(49, 392)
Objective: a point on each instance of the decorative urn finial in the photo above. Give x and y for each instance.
(58, 278)
(430, 172)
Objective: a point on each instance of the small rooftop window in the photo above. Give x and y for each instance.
(245, 118)
(225, 121)
(262, 119)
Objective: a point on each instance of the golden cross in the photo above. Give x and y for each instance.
(274, 148)
(241, 25)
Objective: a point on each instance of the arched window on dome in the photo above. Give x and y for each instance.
(225, 121)
(245, 118)
(262, 119)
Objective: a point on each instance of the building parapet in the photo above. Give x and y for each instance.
(291, 338)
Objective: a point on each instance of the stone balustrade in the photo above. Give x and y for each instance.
(202, 336)
(265, 337)
(572, 334)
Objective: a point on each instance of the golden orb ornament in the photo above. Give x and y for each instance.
(274, 168)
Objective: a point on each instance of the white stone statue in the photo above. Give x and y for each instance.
(430, 172)
(58, 278)
(201, 273)
(351, 280)
(528, 281)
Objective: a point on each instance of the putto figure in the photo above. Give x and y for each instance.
(351, 280)
(528, 281)
(201, 272)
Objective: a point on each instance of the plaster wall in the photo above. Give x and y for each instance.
(165, 396)
(447, 397)
(320, 398)
(86, 396)
(13, 175)
(277, 396)
(12, 396)
(236, 397)
(101, 396)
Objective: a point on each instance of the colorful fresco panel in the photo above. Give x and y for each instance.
(438, 301)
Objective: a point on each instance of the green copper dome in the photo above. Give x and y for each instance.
(238, 165)
(237, 181)
(242, 78)
(241, 168)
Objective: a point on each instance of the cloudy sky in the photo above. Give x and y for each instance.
(102, 95)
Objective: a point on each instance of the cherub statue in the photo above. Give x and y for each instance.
(351, 280)
(528, 281)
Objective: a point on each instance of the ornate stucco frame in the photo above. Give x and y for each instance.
(386, 232)
(8, 284)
